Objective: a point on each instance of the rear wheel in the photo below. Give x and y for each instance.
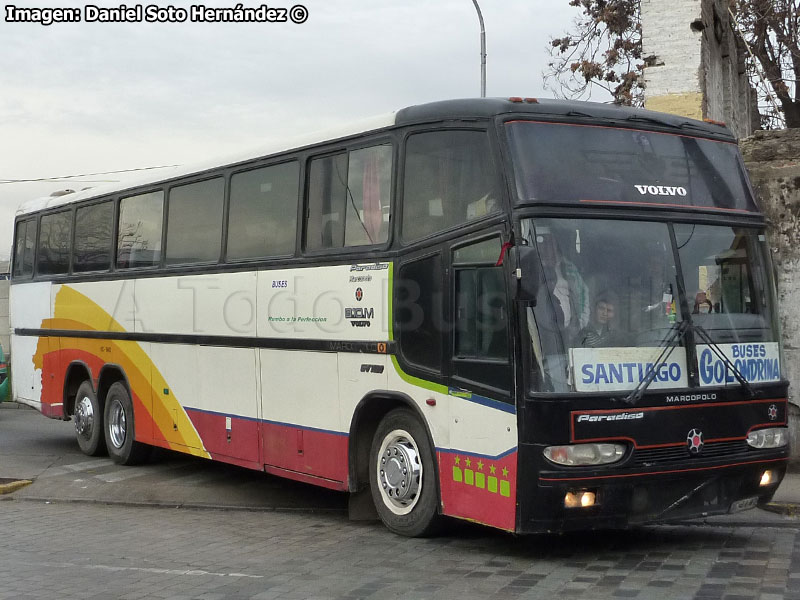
(403, 476)
(88, 418)
(120, 428)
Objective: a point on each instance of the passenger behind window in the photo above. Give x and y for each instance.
(601, 331)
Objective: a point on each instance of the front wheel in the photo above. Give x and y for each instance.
(403, 476)
(120, 428)
(88, 418)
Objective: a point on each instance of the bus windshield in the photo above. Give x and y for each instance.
(610, 299)
(568, 163)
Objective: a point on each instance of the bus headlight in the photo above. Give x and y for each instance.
(774, 437)
(577, 455)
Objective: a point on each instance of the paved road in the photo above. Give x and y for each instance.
(59, 538)
(35, 447)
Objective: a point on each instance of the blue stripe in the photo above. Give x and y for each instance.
(292, 425)
(482, 400)
(304, 428)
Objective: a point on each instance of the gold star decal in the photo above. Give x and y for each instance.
(458, 460)
(505, 472)
(492, 469)
(468, 462)
(480, 465)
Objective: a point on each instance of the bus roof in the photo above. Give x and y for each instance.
(471, 108)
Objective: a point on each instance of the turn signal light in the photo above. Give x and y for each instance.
(583, 499)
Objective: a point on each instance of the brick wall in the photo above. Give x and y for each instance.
(695, 67)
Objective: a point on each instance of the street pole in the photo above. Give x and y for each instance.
(483, 50)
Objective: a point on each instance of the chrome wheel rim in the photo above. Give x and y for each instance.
(117, 424)
(399, 471)
(84, 418)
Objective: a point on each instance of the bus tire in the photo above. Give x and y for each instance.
(403, 476)
(88, 418)
(120, 428)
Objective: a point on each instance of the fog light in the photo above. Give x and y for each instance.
(579, 499)
(767, 477)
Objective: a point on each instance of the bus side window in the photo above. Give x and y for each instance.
(449, 179)
(263, 212)
(481, 342)
(418, 312)
(93, 225)
(194, 222)
(140, 224)
(348, 199)
(23, 252)
(54, 243)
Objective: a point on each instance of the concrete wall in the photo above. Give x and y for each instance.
(773, 160)
(695, 67)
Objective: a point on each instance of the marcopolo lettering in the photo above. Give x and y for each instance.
(692, 398)
(715, 371)
(612, 417)
(629, 372)
(661, 190)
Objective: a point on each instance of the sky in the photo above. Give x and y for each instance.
(79, 98)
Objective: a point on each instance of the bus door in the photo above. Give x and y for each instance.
(480, 482)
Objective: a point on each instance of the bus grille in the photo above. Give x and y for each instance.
(679, 454)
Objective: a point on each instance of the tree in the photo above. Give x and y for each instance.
(771, 30)
(605, 50)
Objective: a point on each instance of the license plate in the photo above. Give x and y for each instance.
(744, 504)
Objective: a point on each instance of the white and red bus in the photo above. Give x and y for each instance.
(536, 315)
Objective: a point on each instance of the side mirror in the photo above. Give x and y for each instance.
(526, 272)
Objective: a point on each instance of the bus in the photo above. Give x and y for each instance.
(537, 315)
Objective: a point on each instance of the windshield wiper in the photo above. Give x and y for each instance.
(676, 335)
(706, 337)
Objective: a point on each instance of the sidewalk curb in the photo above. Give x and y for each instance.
(12, 485)
(11, 405)
(199, 506)
(789, 509)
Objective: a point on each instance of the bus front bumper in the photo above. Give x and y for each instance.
(627, 499)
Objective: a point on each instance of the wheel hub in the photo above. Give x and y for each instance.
(400, 471)
(117, 424)
(84, 418)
